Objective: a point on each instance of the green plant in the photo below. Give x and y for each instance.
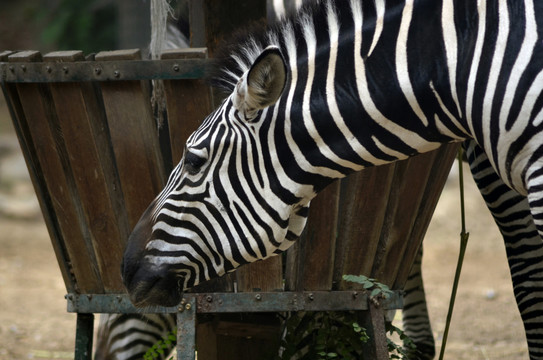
(376, 288)
(400, 351)
(161, 346)
(323, 336)
(337, 334)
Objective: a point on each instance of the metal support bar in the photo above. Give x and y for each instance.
(373, 321)
(186, 330)
(237, 302)
(83, 336)
(45, 72)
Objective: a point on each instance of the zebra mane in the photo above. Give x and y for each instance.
(235, 56)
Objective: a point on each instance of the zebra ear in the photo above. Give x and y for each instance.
(263, 84)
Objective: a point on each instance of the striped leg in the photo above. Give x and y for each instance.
(416, 321)
(523, 244)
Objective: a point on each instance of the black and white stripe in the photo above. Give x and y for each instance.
(130, 336)
(341, 87)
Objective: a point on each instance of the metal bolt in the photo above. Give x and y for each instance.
(355, 294)
(311, 296)
(97, 71)
(117, 73)
(180, 308)
(209, 298)
(89, 296)
(65, 69)
(176, 67)
(48, 69)
(11, 68)
(258, 297)
(188, 307)
(183, 301)
(23, 67)
(119, 298)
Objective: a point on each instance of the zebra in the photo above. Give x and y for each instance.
(295, 137)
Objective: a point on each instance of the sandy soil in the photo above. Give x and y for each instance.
(34, 322)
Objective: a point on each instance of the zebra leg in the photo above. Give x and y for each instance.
(129, 336)
(523, 243)
(416, 322)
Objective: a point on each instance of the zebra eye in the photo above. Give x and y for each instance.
(193, 162)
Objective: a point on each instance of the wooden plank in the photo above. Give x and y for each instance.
(265, 275)
(313, 255)
(445, 156)
(206, 341)
(36, 175)
(407, 188)
(188, 103)
(363, 202)
(46, 138)
(84, 128)
(246, 336)
(134, 136)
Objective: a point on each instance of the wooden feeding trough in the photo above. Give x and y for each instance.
(97, 159)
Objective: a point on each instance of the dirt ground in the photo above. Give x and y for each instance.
(34, 323)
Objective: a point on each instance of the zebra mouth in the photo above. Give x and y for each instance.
(162, 288)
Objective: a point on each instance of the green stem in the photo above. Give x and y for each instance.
(463, 245)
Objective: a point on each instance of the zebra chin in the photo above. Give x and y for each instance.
(153, 285)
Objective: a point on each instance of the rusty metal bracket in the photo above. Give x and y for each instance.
(236, 302)
(47, 72)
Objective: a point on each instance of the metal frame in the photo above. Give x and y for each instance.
(213, 303)
(96, 70)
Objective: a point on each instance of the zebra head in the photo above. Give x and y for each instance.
(220, 208)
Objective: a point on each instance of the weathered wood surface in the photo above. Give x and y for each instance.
(42, 133)
(310, 262)
(189, 102)
(134, 137)
(84, 131)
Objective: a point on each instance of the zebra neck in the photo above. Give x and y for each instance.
(362, 92)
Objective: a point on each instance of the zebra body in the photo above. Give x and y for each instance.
(343, 86)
